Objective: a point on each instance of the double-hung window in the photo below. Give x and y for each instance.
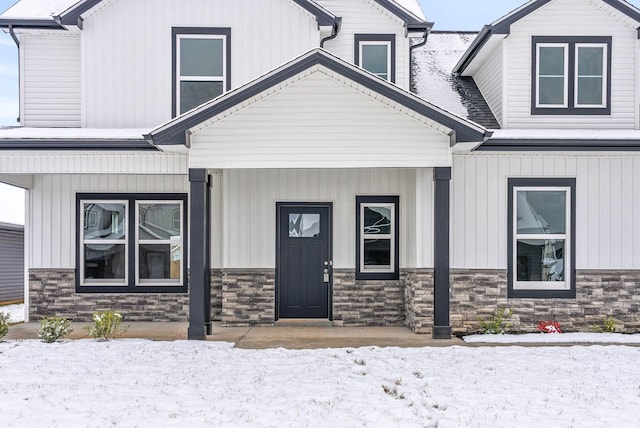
(201, 66)
(571, 75)
(542, 237)
(377, 237)
(376, 54)
(131, 243)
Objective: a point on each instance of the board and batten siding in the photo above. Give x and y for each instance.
(607, 207)
(52, 213)
(368, 17)
(249, 211)
(342, 127)
(11, 263)
(489, 79)
(127, 57)
(50, 80)
(585, 20)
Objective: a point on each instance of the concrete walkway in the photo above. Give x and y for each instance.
(291, 336)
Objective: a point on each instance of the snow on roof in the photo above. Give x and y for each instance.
(22, 133)
(37, 9)
(412, 6)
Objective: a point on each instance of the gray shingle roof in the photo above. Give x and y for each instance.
(432, 78)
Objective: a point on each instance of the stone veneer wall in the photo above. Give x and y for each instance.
(419, 300)
(52, 292)
(248, 297)
(216, 294)
(367, 303)
(477, 293)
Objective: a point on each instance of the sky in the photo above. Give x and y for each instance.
(446, 14)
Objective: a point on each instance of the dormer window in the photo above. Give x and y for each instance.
(376, 53)
(571, 75)
(201, 58)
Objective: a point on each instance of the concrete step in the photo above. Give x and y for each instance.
(303, 322)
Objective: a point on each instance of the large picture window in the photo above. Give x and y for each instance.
(571, 75)
(542, 236)
(131, 243)
(377, 237)
(376, 54)
(201, 59)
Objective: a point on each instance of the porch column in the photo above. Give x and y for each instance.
(199, 273)
(441, 327)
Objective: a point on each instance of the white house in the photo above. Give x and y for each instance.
(257, 160)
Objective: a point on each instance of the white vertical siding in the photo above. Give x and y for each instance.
(572, 18)
(489, 79)
(249, 210)
(52, 214)
(128, 59)
(607, 207)
(50, 80)
(368, 17)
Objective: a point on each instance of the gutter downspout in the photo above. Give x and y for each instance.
(14, 37)
(17, 42)
(334, 32)
(427, 30)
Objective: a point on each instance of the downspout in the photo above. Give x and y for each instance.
(427, 30)
(334, 31)
(14, 37)
(17, 42)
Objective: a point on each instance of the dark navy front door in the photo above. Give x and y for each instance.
(304, 262)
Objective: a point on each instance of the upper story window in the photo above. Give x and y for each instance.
(376, 53)
(571, 75)
(201, 58)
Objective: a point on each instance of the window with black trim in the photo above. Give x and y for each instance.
(131, 243)
(201, 66)
(376, 53)
(571, 75)
(377, 230)
(541, 237)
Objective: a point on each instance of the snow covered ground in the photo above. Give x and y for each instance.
(616, 338)
(151, 384)
(16, 312)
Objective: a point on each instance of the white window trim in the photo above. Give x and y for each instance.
(390, 236)
(179, 78)
(604, 47)
(376, 43)
(565, 95)
(102, 282)
(543, 285)
(157, 282)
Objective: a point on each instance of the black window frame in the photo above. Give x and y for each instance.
(207, 31)
(131, 287)
(384, 38)
(395, 274)
(569, 293)
(571, 42)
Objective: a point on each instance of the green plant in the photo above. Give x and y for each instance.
(4, 324)
(106, 325)
(54, 328)
(608, 325)
(498, 322)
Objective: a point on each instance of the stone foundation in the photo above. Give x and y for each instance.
(216, 294)
(475, 295)
(419, 300)
(248, 297)
(52, 292)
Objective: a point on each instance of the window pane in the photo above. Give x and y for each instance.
(104, 261)
(551, 61)
(201, 57)
(159, 261)
(304, 225)
(192, 94)
(551, 91)
(590, 90)
(104, 220)
(590, 61)
(377, 252)
(374, 59)
(158, 221)
(540, 260)
(377, 220)
(541, 212)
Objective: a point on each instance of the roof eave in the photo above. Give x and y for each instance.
(36, 24)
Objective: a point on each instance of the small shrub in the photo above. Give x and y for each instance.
(549, 327)
(498, 322)
(54, 328)
(4, 325)
(608, 326)
(106, 325)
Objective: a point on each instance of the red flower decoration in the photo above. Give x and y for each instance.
(549, 327)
